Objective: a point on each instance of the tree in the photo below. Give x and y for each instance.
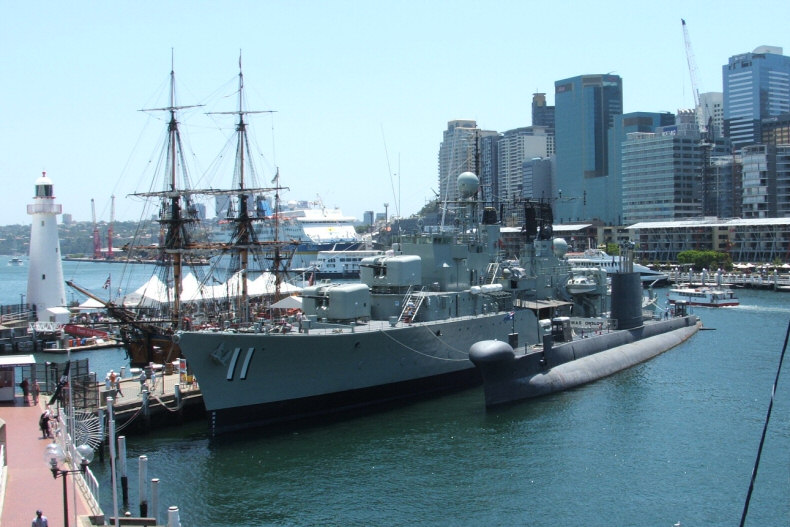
(705, 259)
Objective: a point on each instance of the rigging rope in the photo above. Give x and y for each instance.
(765, 430)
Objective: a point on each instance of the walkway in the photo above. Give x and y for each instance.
(29, 484)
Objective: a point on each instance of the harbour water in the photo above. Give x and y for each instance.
(671, 440)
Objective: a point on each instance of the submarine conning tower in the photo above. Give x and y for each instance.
(627, 291)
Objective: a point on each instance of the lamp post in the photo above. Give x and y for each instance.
(54, 456)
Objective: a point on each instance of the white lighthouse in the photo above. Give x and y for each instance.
(45, 288)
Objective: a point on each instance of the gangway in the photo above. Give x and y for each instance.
(411, 305)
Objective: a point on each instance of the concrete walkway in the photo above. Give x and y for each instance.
(29, 483)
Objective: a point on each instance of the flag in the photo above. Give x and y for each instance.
(510, 316)
(107, 283)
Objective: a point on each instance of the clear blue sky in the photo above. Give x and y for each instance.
(362, 90)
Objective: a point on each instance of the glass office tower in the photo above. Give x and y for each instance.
(756, 86)
(584, 112)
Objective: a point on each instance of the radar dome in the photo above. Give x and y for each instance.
(560, 247)
(467, 184)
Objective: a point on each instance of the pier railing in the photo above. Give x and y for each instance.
(86, 481)
(750, 280)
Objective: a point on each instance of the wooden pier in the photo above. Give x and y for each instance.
(172, 400)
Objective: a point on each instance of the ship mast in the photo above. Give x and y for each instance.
(243, 239)
(172, 219)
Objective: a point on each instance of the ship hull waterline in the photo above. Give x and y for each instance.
(251, 380)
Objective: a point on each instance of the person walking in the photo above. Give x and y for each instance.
(142, 380)
(40, 520)
(25, 385)
(115, 383)
(43, 423)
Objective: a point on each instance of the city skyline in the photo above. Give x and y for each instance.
(362, 93)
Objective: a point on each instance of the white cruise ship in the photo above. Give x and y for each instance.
(308, 227)
(598, 258)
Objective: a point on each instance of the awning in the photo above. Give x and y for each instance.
(541, 304)
(16, 360)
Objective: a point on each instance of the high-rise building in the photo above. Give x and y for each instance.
(537, 178)
(776, 130)
(711, 109)
(585, 109)
(625, 124)
(662, 171)
(542, 114)
(515, 146)
(766, 181)
(756, 86)
(489, 167)
(723, 193)
(459, 152)
(661, 177)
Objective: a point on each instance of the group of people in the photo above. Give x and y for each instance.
(113, 382)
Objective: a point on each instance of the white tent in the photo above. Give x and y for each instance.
(266, 285)
(192, 290)
(289, 302)
(150, 294)
(90, 304)
(155, 292)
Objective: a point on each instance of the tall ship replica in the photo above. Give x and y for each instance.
(182, 289)
(402, 332)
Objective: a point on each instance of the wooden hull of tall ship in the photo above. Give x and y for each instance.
(143, 348)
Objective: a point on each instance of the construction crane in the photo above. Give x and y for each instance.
(96, 240)
(704, 119)
(709, 187)
(109, 227)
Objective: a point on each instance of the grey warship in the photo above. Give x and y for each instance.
(401, 333)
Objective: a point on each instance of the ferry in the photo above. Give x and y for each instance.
(597, 258)
(703, 296)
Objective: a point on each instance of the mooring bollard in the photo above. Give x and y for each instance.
(124, 477)
(172, 517)
(141, 485)
(155, 499)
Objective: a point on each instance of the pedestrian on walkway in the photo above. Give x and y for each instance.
(115, 382)
(142, 380)
(25, 385)
(36, 391)
(43, 423)
(40, 520)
